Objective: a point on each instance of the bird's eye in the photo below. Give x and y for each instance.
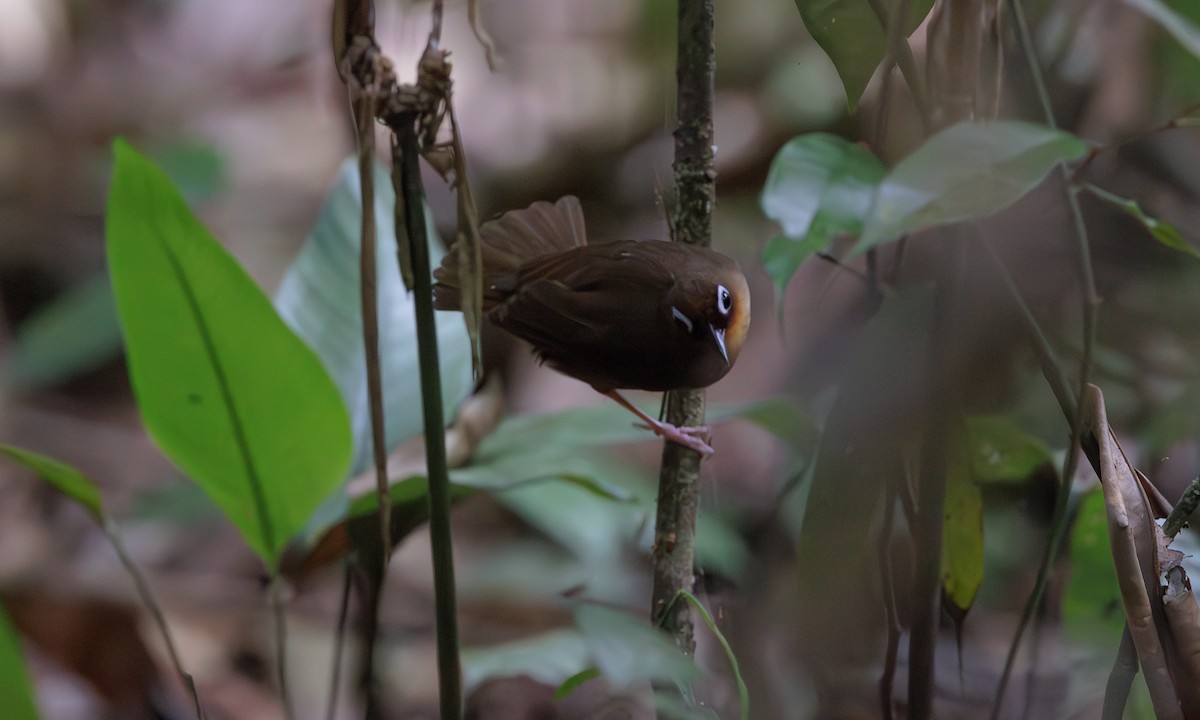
(724, 300)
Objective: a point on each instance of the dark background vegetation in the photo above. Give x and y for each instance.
(240, 103)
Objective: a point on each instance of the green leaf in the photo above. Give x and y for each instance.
(1179, 26)
(782, 419)
(1001, 452)
(781, 259)
(551, 658)
(573, 683)
(851, 34)
(1164, 232)
(962, 533)
(821, 185)
(228, 392)
(63, 477)
(966, 171)
(76, 333)
(319, 298)
(627, 650)
(14, 679)
(1093, 597)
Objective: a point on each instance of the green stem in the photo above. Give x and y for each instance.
(160, 621)
(1090, 302)
(449, 673)
(280, 618)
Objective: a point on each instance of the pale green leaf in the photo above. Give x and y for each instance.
(969, 170)
(319, 298)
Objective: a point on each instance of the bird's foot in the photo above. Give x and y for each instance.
(692, 438)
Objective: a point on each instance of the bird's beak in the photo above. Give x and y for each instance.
(719, 335)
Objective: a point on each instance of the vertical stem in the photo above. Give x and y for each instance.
(279, 614)
(695, 186)
(160, 621)
(449, 677)
(363, 108)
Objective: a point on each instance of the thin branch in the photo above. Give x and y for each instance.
(1090, 302)
(1183, 509)
(695, 185)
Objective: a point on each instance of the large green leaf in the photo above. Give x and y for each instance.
(228, 392)
(63, 477)
(1001, 452)
(15, 689)
(319, 299)
(852, 36)
(966, 171)
(820, 186)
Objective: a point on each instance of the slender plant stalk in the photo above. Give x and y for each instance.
(449, 675)
(1090, 303)
(279, 615)
(339, 638)
(363, 108)
(160, 621)
(695, 185)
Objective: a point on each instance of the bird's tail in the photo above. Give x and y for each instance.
(509, 241)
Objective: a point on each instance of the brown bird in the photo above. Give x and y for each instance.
(645, 315)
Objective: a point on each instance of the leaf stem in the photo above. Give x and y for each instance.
(280, 617)
(363, 109)
(147, 598)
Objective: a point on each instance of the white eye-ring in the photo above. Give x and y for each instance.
(724, 300)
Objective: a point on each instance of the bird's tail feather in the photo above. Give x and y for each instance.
(510, 240)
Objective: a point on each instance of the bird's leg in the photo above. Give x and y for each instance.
(693, 438)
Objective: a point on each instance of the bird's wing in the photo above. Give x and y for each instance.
(587, 299)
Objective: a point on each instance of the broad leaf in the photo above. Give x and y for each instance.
(852, 35)
(551, 658)
(1001, 452)
(63, 477)
(319, 299)
(628, 650)
(1164, 232)
(969, 170)
(820, 186)
(15, 688)
(228, 392)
